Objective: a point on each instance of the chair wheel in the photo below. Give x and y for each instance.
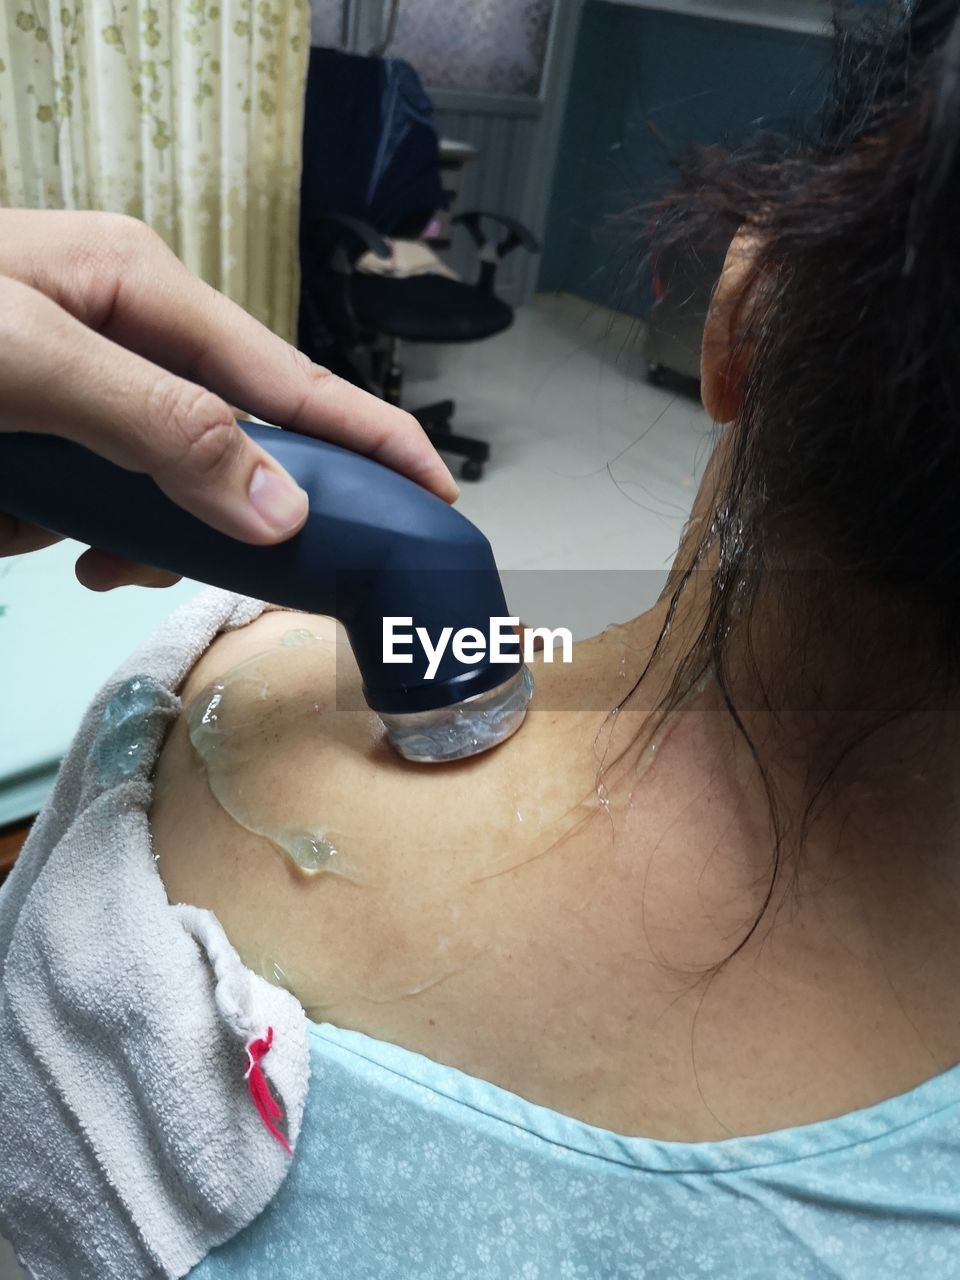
(472, 469)
(657, 374)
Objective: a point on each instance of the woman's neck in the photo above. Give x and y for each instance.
(825, 690)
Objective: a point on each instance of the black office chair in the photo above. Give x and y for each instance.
(353, 194)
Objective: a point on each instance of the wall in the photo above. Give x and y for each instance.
(494, 180)
(645, 86)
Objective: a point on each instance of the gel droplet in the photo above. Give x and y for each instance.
(127, 728)
(310, 852)
(300, 636)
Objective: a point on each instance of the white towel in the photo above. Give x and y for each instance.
(130, 1139)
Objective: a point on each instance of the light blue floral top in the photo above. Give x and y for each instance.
(406, 1169)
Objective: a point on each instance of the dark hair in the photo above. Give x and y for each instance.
(848, 441)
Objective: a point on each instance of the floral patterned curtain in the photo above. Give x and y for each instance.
(186, 113)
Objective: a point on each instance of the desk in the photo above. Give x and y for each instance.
(58, 644)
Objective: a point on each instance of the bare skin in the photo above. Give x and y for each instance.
(562, 958)
(573, 979)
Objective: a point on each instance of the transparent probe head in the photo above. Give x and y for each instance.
(464, 729)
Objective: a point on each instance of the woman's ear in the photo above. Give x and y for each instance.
(724, 355)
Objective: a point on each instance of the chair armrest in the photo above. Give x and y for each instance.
(519, 235)
(491, 253)
(338, 229)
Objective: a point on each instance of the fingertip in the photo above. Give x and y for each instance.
(102, 571)
(155, 579)
(428, 469)
(93, 574)
(446, 487)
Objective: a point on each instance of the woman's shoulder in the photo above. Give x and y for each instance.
(280, 806)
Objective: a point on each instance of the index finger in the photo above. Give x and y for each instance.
(118, 276)
(227, 350)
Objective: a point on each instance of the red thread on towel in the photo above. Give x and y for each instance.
(267, 1106)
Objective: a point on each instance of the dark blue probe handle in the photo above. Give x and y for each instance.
(375, 544)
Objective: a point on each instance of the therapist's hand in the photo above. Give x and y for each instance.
(107, 339)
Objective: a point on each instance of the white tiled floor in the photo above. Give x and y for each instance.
(592, 468)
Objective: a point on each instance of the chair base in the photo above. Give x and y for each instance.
(435, 420)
